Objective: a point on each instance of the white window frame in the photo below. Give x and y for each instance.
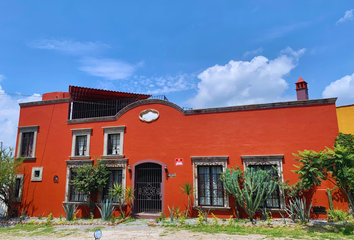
(267, 160)
(113, 130)
(71, 164)
(81, 132)
(19, 197)
(39, 178)
(27, 129)
(209, 161)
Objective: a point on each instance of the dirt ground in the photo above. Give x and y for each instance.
(148, 233)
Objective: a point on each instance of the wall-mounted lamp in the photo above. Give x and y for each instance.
(165, 167)
(129, 168)
(55, 179)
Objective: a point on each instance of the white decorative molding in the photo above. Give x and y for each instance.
(70, 164)
(114, 164)
(38, 178)
(143, 119)
(113, 130)
(208, 161)
(81, 132)
(276, 160)
(27, 129)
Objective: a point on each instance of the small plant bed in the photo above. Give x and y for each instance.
(282, 228)
(60, 221)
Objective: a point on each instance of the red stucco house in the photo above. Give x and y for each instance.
(156, 154)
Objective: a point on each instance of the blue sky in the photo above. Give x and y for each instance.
(197, 53)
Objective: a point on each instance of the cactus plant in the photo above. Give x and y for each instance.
(255, 189)
(329, 193)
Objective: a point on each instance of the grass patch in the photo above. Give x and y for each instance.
(24, 230)
(130, 220)
(314, 232)
(93, 229)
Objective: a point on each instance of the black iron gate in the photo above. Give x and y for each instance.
(148, 179)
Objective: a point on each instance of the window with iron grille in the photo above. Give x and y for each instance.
(210, 187)
(76, 196)
(113, 144)
(81, 144)
(17, 188)
(115, 176)
(27, 144)
(273, 201)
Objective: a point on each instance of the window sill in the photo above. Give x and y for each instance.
(26, 158)
(77, 203)
(79, 157)
(272, 210)
(212, 208)
(87, 203)
(112, 156)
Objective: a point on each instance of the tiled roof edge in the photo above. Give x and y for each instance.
(61, 100)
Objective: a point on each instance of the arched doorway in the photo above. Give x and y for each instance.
(149, 187)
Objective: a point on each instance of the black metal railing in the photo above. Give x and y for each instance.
(106, 108)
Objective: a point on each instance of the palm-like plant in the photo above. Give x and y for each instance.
(117, 192)
(129, 196)
(187, 190)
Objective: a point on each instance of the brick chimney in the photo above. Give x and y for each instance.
(302, 92)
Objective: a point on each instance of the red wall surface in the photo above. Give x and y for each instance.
(175, 135)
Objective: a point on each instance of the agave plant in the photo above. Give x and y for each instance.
(171, 212)
(106, 209)
(70, 211)
(298, 210)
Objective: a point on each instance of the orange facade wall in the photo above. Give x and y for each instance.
(175, 135)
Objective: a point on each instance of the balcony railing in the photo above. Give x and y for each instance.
(79, 110)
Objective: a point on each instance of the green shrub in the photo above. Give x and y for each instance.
(163, 216)
(157, 219)
(31, 222)
(113, 219)
(337, 215)
(49, 218)
(40, 217)
(215, 219)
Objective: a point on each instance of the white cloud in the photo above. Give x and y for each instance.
(2, 77)
(252, 53)
(9, 114)
(109, 69)
(342, 88)
(69, 46)
(348, 16)
(246, 82)
(279, 31)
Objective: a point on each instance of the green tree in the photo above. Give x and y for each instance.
(335, 165)
(250, 188)
(89, 178)
(187, 190)
(9, 168)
